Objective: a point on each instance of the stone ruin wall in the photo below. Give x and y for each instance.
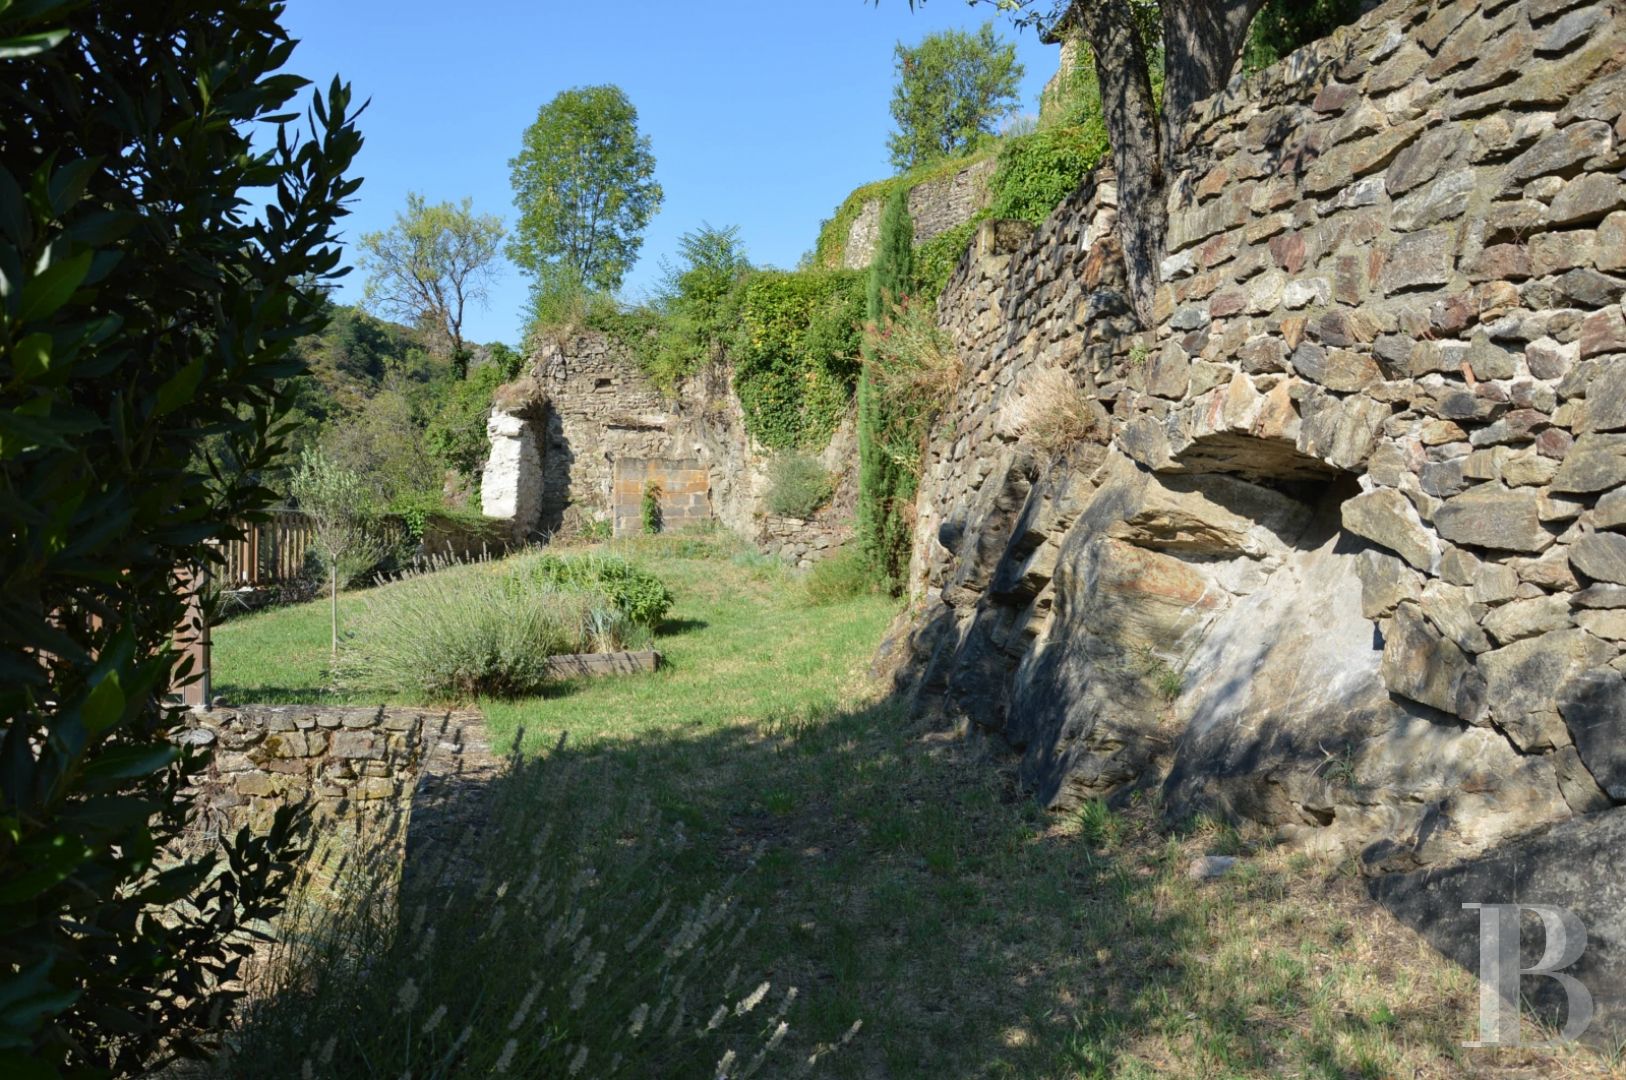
(580, 435)
(1344, 555)
(935, 207)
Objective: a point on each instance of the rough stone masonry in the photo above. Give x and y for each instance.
(1346, 553)
(580, 436)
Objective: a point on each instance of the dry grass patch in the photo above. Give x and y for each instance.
(1054, 412)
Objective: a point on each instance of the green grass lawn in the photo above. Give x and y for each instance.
(901, 879)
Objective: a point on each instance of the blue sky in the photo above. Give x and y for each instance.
(761, 114)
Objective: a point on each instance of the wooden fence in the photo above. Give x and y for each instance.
(270, 553)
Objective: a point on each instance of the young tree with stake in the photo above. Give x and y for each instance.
(336, 500)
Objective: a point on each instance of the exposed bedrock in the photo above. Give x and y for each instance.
(1345, 553)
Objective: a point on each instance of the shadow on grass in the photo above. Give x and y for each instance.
(894, 879)
(675, 627)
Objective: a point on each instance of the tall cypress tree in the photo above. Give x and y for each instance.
(884, 486)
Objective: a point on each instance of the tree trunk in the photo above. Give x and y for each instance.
(334, 610)
(1202, 40)
(1131, 118)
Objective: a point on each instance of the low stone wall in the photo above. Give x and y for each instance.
(801, 541)
(345, 761)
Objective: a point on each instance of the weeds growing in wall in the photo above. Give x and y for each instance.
(1054, 412)
(798, 485)
(830, 252)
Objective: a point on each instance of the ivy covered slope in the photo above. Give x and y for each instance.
(796, 355)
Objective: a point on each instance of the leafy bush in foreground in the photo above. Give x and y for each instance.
(148, 315)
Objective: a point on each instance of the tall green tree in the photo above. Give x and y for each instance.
(584, 184)
(952, 91)
(885, 486)
(699, 296)
(148, 317)
(430, 265)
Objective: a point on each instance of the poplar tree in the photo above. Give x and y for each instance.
(884, 485)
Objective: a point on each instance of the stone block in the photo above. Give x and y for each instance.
(1601, 557)
(1387, 518)
(1421, 665)
(1523, 679)
(1594, 709)
(1418, 259)
(1494, 517)
(358, 745)
(1595, 463)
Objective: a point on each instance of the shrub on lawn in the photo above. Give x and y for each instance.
(842, 576)
(639, 595)
(477, 631)
(798, 486)
(558, 944)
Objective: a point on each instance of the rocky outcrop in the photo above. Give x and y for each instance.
(1344, 555)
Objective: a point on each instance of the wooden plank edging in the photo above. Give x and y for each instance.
(594, 665)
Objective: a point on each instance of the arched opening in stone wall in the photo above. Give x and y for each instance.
(1218, 637)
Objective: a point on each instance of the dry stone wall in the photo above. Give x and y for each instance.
(1344, 554)
(345, 762)
(935, 207)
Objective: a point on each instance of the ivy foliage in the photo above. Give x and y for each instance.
(830, 251)
(698, 299)
(148, 320)
(1284, 25)
(936, 259)
(796, 354)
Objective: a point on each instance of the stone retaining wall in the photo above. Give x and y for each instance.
(935, 207)
(347, 761)
(1343, 554)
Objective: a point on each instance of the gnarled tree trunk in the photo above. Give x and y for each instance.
(1202, 40)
